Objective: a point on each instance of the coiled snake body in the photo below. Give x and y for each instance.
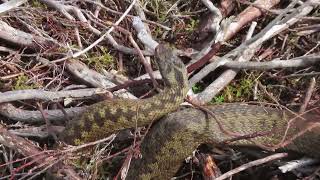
(174, 137)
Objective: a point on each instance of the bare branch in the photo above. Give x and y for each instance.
(29, 150)
(48, 95)
(11, 5)
(39, 132)
(105, 34)
(296, 164)
(246, 50)
(21, 38)
(230, 27)
(308, 95)
(143, 35)
(251, 164)
(302, 61)
(95, 79)
(17, 114)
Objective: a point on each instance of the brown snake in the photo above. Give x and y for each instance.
(173, 138)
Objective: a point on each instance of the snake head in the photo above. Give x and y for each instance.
(172, 69)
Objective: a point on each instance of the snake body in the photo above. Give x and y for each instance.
(176, 136)
(104, 118)
(173, 138)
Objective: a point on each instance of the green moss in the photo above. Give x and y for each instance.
(22, 83)
(197, 88)
(236, 92)
(36, 3)
(159, 8)
(101, 61)
(192, 25)
(218, 99)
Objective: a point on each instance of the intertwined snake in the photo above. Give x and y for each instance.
(174, 137)
(106, 117)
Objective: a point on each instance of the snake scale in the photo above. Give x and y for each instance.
(174, 137)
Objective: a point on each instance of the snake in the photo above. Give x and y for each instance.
(176, 134)
(105, 117)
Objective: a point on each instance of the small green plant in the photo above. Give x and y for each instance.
(218, 99)
(36, 3)
(197, 88)
(158, 8)
(158, 31)
(105, 60)
(22, 83)
(239, 91)
(192, 25)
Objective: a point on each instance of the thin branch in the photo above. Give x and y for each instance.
(21, 38)
(11, 5)
(251, 164)
(17, 114)
(28, 149)
(93, 78)
(230, 28)
(146, 65)
(296, 164)
(105, 34)
(39, 132)
(246, 50)
(302, 61)
(308, 95)
(48, 95)
(130, 16)
(143, 34)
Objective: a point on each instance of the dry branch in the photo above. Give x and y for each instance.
(17, 114)
(93, 78)
(251, 164)
(231, 27)
(29, 150)
(39, 132)
(48, 95)
(297, 62)
(21, 38)
(247, 49)
(11, 5)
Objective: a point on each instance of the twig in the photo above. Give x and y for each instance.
(245, 17)
(26, 148)
(64, 10)
(143, 34)
(271, 97)
(308, 95)
(296, 164)
(93, 78)
(39, 131)
(11, 5)
(251, 164)
(17, 114)
(105, 34)
(291, 63)
(76, 148)
(49, 95)
(21, 38)
(147, 66)
(47, 122)
(245, 51)
(130, 16)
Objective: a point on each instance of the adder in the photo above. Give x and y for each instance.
(174, 137)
